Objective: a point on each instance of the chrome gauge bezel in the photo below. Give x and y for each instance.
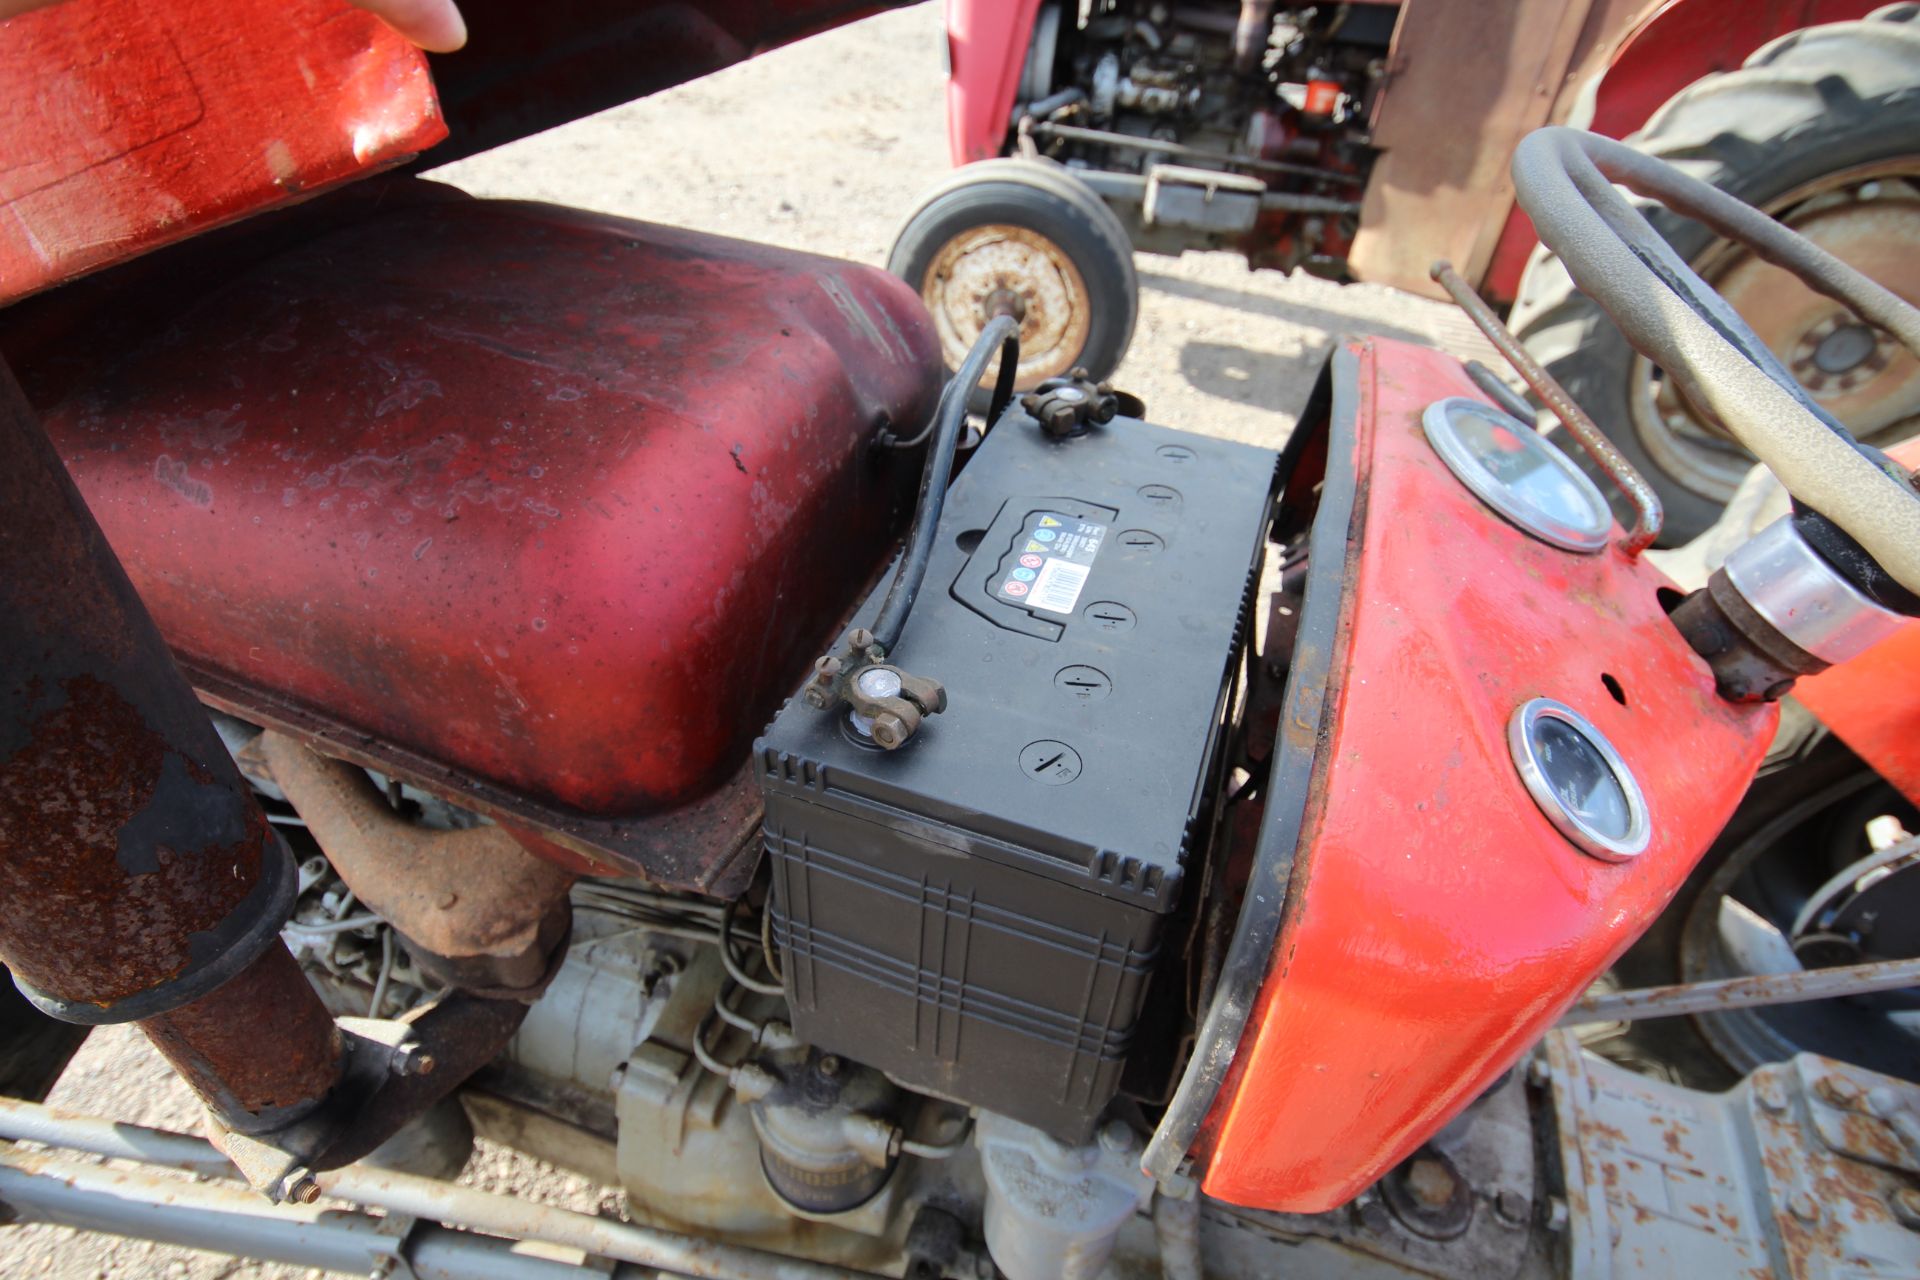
(1534, 774)
(1586, 537)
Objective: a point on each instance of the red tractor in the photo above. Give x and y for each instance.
(475, 668)
(1365, 140)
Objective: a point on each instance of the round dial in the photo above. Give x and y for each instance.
(1519, 473)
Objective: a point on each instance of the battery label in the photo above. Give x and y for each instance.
(1050, 563)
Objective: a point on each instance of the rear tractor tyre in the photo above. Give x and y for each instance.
(1821, 128)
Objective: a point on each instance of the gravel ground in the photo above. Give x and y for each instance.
(820, 146)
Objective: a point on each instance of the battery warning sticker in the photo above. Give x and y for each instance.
(1050, 562)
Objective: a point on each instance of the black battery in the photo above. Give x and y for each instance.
(978, 912)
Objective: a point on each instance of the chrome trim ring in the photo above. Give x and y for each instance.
(1533, 772)
(1805, 599)
(1439, 422)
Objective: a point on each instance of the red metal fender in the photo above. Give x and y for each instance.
(986, 49)
(129, 124)
(1435, 923)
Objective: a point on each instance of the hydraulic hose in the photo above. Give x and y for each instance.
(1001, 333)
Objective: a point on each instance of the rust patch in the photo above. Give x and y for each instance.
(85, 915)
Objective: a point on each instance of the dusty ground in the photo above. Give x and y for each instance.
(821, 146)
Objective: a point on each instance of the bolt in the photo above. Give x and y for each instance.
(1804, 1207)
(662, 971)
(830, 1065)
(1770, 1093)
(300, 1186)
(1557, 1215)
(1838, 1091)
(1905, 1204)
(1431, 1182)
(1118, 1137)
(1512, 1207)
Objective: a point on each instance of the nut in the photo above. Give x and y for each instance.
(412, 1059)
(300, 1186)
(1512, 1207)
(889, 730)
(1838, 1091)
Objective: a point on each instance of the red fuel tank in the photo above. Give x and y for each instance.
(560, 503)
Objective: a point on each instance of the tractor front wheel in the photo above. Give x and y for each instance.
(1028, 239)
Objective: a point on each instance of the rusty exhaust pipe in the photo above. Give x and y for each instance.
(139, 881)
(477, 910)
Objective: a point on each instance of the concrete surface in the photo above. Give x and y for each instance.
(820, 146)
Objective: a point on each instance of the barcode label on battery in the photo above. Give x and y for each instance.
(1057, 589)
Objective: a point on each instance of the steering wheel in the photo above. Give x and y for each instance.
(1564, 180)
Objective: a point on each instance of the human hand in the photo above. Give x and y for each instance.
(434, 25)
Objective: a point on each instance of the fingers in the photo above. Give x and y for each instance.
(434, 25)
